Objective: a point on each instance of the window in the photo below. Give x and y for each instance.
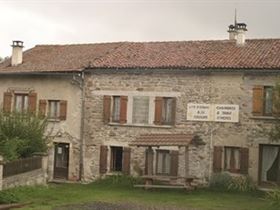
(232, 159)
(163, 162)
(116, 158)
(21, 102)
(140, 114)
(268, 91)
(263, 100)
(54, 108)
(167, 109)
(116, 109)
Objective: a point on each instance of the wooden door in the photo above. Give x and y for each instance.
(61, 161)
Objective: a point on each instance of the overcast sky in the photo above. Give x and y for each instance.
(88, 21)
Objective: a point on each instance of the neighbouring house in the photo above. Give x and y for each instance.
(167, 109)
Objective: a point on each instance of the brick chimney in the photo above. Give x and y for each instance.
(17, 53)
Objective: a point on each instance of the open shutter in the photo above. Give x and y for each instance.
(173, 120)
(174, 163)
(7, 102)
(63, 110)
(244, 160)
(149, 161)
(258, 100)
(217, 159)
(123, 110)
(103, 159)
(158, 110)
(42, 108)
(32, 101)
(126, 160)
(106, 108)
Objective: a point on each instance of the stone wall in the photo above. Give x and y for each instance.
(219, 88)
(35, 177)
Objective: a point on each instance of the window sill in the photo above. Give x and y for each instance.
(53, 120)
(263, 118)
(141, 125)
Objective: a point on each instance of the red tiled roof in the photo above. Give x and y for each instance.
(162, 140)
(219, 54)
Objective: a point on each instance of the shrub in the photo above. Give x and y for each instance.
(7, 197)
(21, 135)
(220, 181)
(241, 184)
(118, 180)
(274, 198)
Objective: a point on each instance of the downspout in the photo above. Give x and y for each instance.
(80, 81)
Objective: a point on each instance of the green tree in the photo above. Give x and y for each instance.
(21, 135)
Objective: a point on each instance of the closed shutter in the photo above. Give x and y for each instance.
(158, 110)
(173, 120)
(244, 160)
(258, 100)
(42, 108)
(126, 160)
(217, 159)
(32, 101)
(103, 159)
(123, 110)
(106, 108)
(174, 163)
(7, 102)
(63, 110)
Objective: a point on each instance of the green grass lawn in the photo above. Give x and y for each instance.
(44, 198)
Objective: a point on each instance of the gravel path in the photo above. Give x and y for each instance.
(112, 206)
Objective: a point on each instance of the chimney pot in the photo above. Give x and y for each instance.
(17, 53)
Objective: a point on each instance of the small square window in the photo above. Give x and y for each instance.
(54, 107)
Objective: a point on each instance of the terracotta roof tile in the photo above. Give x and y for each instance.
(162, 140)
(219, 54)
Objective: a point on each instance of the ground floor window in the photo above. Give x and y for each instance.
(232, 159)
(270, 163)
(116, 158)
(163, 161)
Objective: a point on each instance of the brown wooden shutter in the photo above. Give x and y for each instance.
(158, 110)
(106, 109)
(63, 110)
(32, 102)
(126, 160)
(174, 163)
(123, 109)
(7, 102)
(173, 121)
(258, 100)
(42, 108)
(217, 159)
(103, 159)
(244, 160)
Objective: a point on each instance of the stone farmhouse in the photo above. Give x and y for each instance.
(168, 109)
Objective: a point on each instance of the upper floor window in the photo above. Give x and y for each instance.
(263, 101)
(21, 102)
(139, 110)
(54, 109)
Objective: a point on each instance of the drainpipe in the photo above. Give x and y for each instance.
(80, 81)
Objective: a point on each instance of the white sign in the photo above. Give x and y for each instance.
(226, 113)
(213, 112)
(199, 112)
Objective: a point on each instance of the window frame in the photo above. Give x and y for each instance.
(164, 110)
(113, 150)
(57, 117)
(231, 148)
(113, 108)
(165, 152)
(23, 96)
(265, 88)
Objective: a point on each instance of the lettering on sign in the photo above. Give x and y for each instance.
(213, 112)
(199, 112)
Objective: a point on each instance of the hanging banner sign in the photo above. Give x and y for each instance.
(213, 112)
